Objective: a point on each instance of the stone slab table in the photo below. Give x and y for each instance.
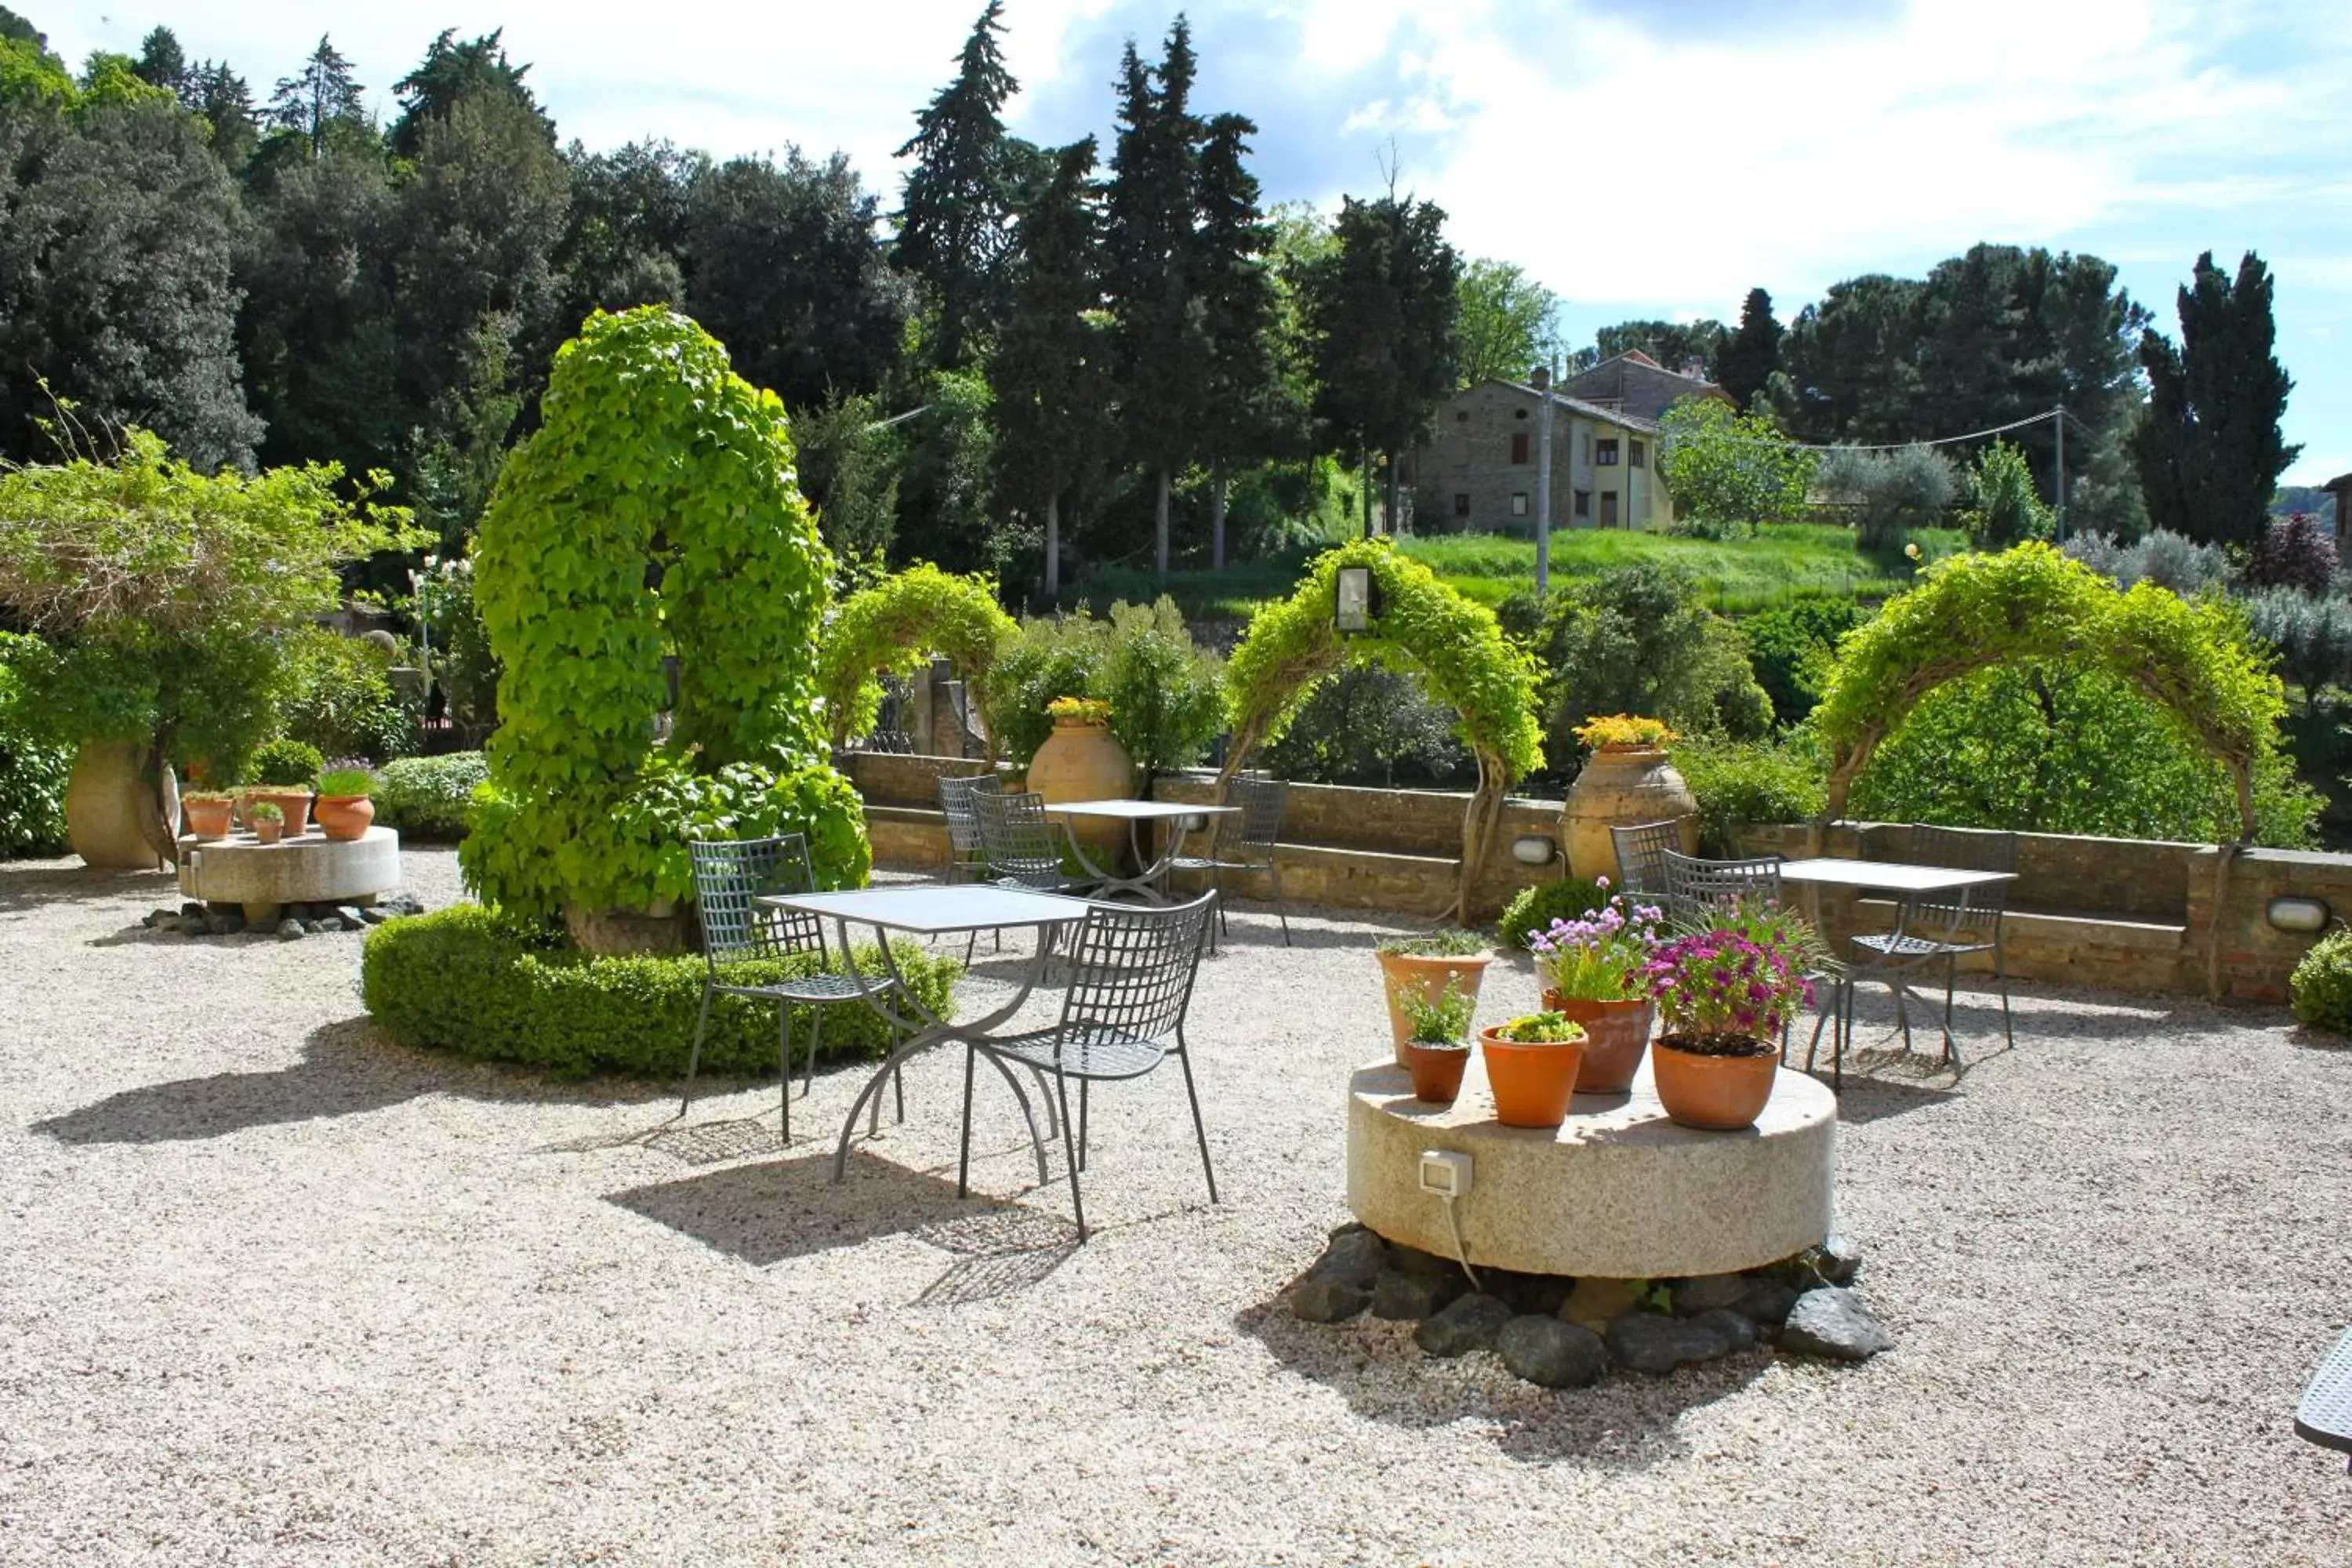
(309, 870)
(1618, 1191)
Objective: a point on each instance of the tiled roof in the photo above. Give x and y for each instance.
(1648, 392)
(1578, 405)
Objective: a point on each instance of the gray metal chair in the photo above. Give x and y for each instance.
(1020, 847)
(730, 878)
(1249, 842)
(967, 859)
(1642, 851)
(1693, 886)
(1944, 928)
(1131, 973)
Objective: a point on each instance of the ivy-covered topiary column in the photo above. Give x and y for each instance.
(653, 512)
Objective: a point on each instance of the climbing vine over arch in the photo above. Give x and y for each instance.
(653, 511)
(1971, 611)
(1421, 628)
(894, 626)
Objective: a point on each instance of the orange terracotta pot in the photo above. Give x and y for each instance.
(1719, 1094)
(1428, 975)
(344, 817)
(1532, 1083)
(208, 819)
(268, 832)
(294, 802)
(1436, 1070)
(1615, 1035)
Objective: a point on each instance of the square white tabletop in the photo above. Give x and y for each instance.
(1136, 810)
(1887, 876)
(934, 911)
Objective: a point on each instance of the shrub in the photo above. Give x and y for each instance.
(1738, 783)
(1792, 648)
(2002, 506)
(1166, 692)
(1369, 725)
(340, 698)
(32, 789)
(458, 980)
(1053, 655)
(1533, 909)
(2164, 557)
(428, 797)
(1893, 494)
(1729, 472)
(2293, 553)
(287, 762)
(2312, 636)
(2322, 983)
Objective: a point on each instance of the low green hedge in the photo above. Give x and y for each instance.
(1536, 908)
(458, 980)
(2322, 983)
(427, 797)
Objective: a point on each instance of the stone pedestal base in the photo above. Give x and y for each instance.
(1618, 1190)
(312, 869)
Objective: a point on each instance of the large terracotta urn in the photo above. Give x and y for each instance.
(1621, 786)
(110, 807)
(1080, 760)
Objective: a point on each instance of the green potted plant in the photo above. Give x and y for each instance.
(1532, 1063)
(1437, 1043)
(1724, 995)
(1592, 971)
(268, 821)
(283, 771)
(209, 812)
(345, 808)
(1426, 965)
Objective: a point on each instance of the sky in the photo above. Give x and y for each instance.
(1642, 158)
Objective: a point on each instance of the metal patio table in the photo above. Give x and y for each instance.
(933, 911)
(1135, 814)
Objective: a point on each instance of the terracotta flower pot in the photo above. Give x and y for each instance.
(294, 802)
(1532, 1083)
(1427, 975)
(208, 819)
(1085, 762)
(1615, 1035)
(1436, 1070)
(1618, 787)
(1720, 1094)
(344, 817)
(266, 831)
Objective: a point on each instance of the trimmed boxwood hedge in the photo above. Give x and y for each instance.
(458, 980)
(428, 797)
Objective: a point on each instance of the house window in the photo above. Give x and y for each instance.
(1461, 416)
(1607, 456)
(1518, 503)
(1633, 454)
(1518, 446)
(1608, 509)
(1518, 414)
(1461, 503)
(1584, 503)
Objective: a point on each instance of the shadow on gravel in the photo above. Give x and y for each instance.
(32, 889)
(1625, 1422)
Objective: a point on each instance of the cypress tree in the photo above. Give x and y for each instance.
(2208, 451)
(1242, 417)
(1748, 360)
(956, 208)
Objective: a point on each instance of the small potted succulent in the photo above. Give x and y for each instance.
(1438, 1045)
(1725, 992)
(268, 821)
(344, 809)
(208, 813)
(1425, 965)
(1532, 1063)
(1591, 970)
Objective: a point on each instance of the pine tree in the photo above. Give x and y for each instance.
(1150, 252)
(1050, 373)
(222, 97)
(1748, 360)
(452, 72)
(956, 208)
(322, 96)
(1242, 416)
(2208, 451)
(163, 63)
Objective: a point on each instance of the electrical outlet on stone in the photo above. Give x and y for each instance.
(1445, 1171)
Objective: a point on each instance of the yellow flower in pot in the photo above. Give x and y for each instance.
(1625, 732)
(1532, 1063)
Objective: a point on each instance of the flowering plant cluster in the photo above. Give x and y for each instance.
(1599, 955)
(1744, 975)
(1082, 709)
(1623, 730)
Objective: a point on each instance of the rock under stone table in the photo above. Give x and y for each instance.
(1617, 1192)
(312, 869)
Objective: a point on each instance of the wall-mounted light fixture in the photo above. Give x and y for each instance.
(1534, 849)
(2297, 914)
(1355, 600)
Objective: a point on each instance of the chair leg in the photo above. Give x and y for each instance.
(784, 1066)
(2000, 976)
(1084, 1084)
(694, 1057)
(816, 1033)
(1951, 982)
(963, 1155)
(1281, 904)
(899, 1092)
(1077, 1200)
(1201, 1133)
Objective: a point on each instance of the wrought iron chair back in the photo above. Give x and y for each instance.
(1642, 851)
(966, 857)
(1962, 850)
(731, 876)
(1262, 802)
(1132, 968)
(1017, 839)
(1694, 886)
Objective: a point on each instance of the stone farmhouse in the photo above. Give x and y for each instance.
(1479, 473)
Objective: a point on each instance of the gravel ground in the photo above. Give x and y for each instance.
(278, 1291)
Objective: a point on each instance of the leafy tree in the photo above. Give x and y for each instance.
(1506, 323)
(625, 243)
(955, 216)
(452, 72)
(1051, 376)
(2003, 509)
(947, 483)
(1750, 355)
(1792, 647)
(1674, 344)
(1728, 471)
(15, 29)
(321, 98)
(1891, 494)
(2295, 553)
(2310, 632)
(2210, 451)
(849, 469)
(222, 97)
(1379, 310)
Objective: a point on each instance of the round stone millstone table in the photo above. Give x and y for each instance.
(1618, 1191)
(311, 869)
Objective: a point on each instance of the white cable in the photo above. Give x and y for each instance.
(1461, 1252)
